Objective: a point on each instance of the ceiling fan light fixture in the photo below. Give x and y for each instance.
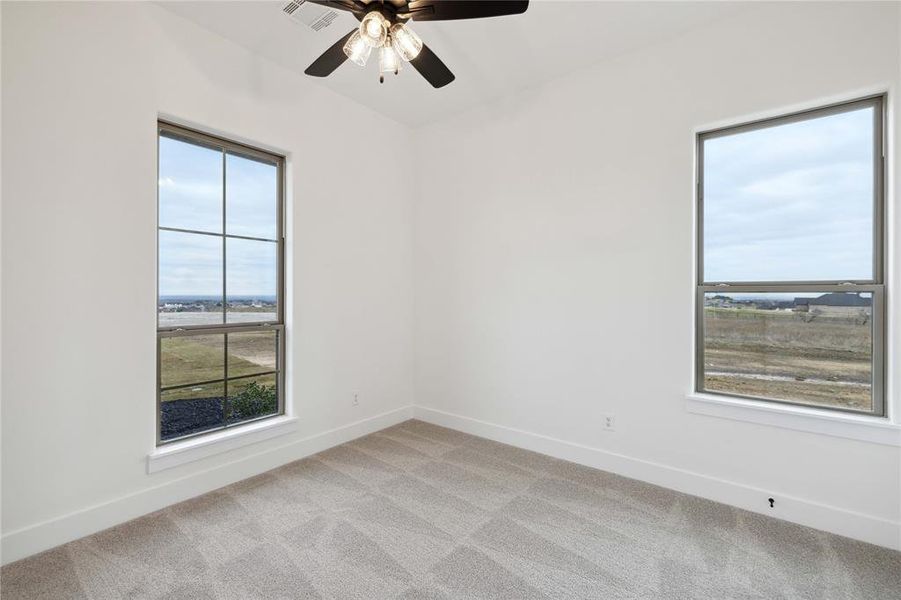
(405, 41)
(383, 25)
(389, 61)
(357, 50)
(374, 29)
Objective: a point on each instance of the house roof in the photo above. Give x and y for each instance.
(835, 299)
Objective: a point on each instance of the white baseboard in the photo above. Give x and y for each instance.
(54, 532)
(836, 520)
(48, 534)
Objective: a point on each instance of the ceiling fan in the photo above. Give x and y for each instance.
(384, 25)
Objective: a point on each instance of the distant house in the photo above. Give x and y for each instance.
(836, 303)
(718, 301)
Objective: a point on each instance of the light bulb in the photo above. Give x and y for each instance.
(389, 61)
(374, 29)
(357, 50)
(405, 41)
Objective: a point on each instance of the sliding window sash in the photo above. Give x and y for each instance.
(877, 382)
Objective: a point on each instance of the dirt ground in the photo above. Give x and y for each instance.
(776, 354)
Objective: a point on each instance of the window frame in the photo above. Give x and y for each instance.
(226, 147)
(875, 285)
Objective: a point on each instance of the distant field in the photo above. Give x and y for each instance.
(769, 353)
(185, 360)
(180, 319)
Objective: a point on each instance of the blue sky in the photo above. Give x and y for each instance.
(792, 202)
(190, 196)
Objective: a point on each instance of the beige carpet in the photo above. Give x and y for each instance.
(418, 511)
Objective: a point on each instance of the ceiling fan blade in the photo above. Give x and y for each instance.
(447, 10)
(348, 5)
(331, 59)
(431, 67)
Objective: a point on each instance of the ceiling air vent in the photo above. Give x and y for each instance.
(314, 16)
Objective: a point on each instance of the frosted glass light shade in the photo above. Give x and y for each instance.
(374, 29)
(357, 50)
(389, 61)
(405, 41)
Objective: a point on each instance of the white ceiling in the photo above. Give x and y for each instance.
(490, 57)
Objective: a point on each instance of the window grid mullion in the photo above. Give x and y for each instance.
(169, 388)
(225, 381)
(224, 293)
(181, 386)
(216, 234)
(216, 329)
(224, 244)
(252, 375)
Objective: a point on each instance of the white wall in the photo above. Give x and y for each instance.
(82, 87)
(562, 199)
(553, 263)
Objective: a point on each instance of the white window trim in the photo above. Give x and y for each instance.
(190, 450)
(881, 429)
(885, 430)
(875, 430)
(274, 422)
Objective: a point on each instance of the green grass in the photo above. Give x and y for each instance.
(192, 359)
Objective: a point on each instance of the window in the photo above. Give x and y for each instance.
(790, 291)
(220, 326)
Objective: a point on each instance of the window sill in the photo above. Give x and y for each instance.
(179, 453)
(876, 430)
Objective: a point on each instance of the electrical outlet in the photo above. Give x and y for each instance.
(610, 422)
(356, 399)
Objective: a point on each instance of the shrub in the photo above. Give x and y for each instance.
(254, 400)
